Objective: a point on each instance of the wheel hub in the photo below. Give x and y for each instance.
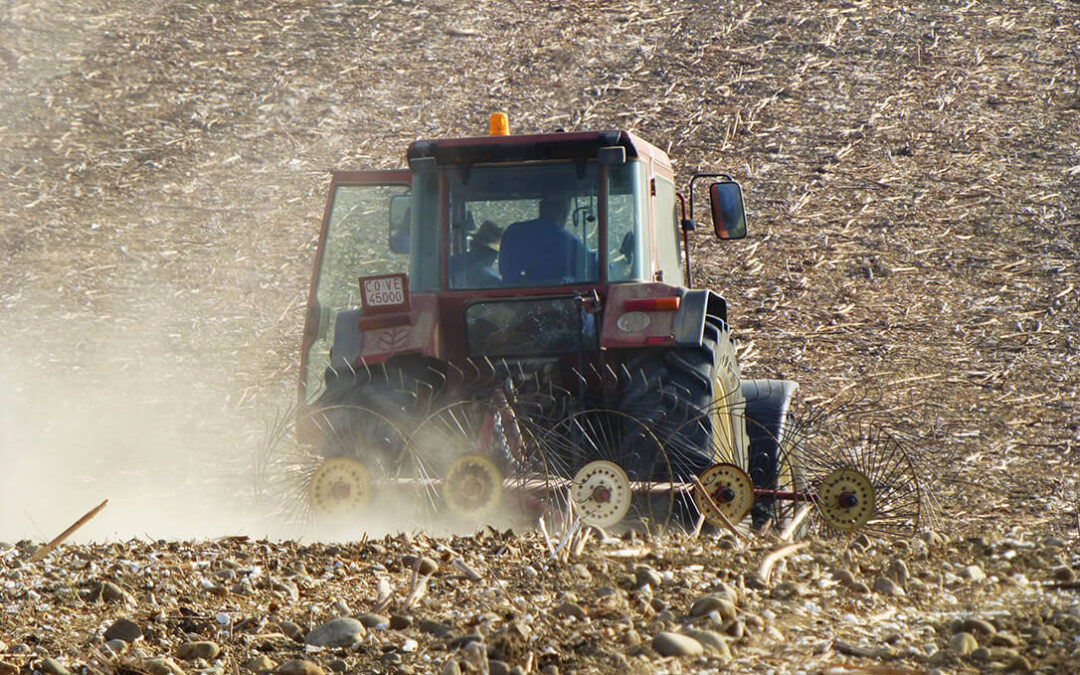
(473, 486)
(730, 490)
(845, 499)
(601, 493)
(340, 485)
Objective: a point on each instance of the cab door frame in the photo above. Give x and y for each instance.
(313, 316)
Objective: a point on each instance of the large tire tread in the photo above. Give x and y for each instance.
(672, 386)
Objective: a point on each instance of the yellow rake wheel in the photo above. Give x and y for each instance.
(845, 499)
(340, 485)
(601, 493)
(731, 491)
(473, 486)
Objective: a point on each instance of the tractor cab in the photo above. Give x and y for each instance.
(502, 247)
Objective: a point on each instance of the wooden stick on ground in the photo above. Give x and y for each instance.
(417, 587)
(460, 565)
(789, 530)
(546, 536)
(48, 548)
(582, 540)
(775, 556)
(697, 527)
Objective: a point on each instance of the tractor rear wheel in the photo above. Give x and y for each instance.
(672, 386)
(403, 389)
(400, 391)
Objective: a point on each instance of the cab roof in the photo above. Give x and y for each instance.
(532, 147)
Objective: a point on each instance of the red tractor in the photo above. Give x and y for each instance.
(508, 326)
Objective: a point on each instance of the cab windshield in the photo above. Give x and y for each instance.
(532, 225)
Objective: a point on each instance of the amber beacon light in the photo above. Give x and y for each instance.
(498, 124)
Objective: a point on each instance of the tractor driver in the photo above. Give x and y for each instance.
(542, 251)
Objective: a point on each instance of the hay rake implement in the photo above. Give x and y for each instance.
(507, 462)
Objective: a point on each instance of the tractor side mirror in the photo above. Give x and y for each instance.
(400, 223)
(728, 214)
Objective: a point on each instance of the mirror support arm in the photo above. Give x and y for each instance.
(688, 222)
(687, 226)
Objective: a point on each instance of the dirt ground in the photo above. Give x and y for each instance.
(912, 176)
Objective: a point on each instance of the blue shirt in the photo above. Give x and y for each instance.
(470, 271)
(542, 252)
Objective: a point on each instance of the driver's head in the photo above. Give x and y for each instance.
(555, 206)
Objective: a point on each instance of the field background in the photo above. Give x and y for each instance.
(912, 174)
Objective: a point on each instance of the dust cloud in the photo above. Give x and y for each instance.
(174, 436)
(91, 412)
(156, 237)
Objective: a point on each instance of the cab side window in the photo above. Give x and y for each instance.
(667, 233)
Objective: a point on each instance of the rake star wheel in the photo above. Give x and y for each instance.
(779, 476)
(340, 486)
(365, 436)
(619, 439)
(332, 470)
(480, 440)
(473, 486)
(730, 490)
(601, 493)
(361, 433)
(845, 500)
(865, 461)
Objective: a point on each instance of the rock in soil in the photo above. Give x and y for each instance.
(260, 664)
(713, 603)
(340, 632)
(116, 646)
(291, 630)
(161, 666)
(898, 572)
(426, 565)
(123, 629)
(451, 667)
(570, 609)
(788, 590)
(107, 591)
(977, 626)
(971, 573)
(886, 586)
(675, 644)
(647, 576)
(712, 641)
(203, 649)
(963, 643)
(54, 667)
(299, 667)
(374, 621)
